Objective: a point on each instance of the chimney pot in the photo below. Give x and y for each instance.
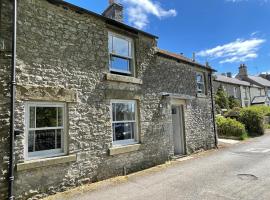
(114, 11)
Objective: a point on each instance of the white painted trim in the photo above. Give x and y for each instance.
(132, 59)
(136, 135)
(46, 153)
(203, 83)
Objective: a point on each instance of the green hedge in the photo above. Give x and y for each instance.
(253, 118)
(263, 110)
(230, 128)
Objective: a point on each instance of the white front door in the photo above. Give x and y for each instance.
(178, 129)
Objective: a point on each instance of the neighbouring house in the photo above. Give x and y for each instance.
(258, 97)
(244, 91)
(233, 88)
(95, 98)
(265, 76)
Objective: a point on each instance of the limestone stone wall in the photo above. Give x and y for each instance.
(170, 76)
(62, 50)
(63, 57)
(5, 70)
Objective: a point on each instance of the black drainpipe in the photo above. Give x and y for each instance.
(12, 107)
(213, 110)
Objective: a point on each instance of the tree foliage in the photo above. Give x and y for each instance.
(221, 100)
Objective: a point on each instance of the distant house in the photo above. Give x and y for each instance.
(260, 96)
(241, 90)
(265, 76)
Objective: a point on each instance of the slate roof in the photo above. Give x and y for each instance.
(107, 20)
(235, 81)
(260, 80)
(182, 58)
(260, 100)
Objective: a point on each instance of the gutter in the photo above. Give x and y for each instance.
(12, 107)
(213, 110)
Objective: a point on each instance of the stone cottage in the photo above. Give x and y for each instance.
(95, 98)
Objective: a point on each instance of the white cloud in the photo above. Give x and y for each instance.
(139, 10)
(237, 51)
(254, 33)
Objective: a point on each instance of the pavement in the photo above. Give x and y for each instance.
(227, 141)
(238, 172)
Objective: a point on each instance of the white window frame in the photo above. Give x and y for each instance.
(246, 92)
(45, 153)
(235, 92)
(129, 141)
(131, 59)
(203, 83)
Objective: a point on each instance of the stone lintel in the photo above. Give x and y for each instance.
(122, 94)
(45, 93)
(125, 79)
(124, 149)
(177, 96)
(45, 162)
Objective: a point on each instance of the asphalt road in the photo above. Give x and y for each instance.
(238, 172)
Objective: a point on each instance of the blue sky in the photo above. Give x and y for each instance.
(223, 32)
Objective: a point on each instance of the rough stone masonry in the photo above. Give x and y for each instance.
(62, 56)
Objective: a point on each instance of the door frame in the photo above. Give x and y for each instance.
(181, 102)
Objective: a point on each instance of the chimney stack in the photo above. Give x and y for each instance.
(193, 57)
(242, 71)
(114, 11)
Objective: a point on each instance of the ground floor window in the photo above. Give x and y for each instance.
(124, 121)
(45, 129)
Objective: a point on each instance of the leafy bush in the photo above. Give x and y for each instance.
(253, 118)
(263, 110)
(233, 113)
(228, 127)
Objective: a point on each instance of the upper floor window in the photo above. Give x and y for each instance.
(200, 83)
(121, 54)
(124, 121)
(45, 124)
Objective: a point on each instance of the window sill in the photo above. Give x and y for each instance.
(45, 162)
(123, 149)
(201, 95)
(121, 78)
